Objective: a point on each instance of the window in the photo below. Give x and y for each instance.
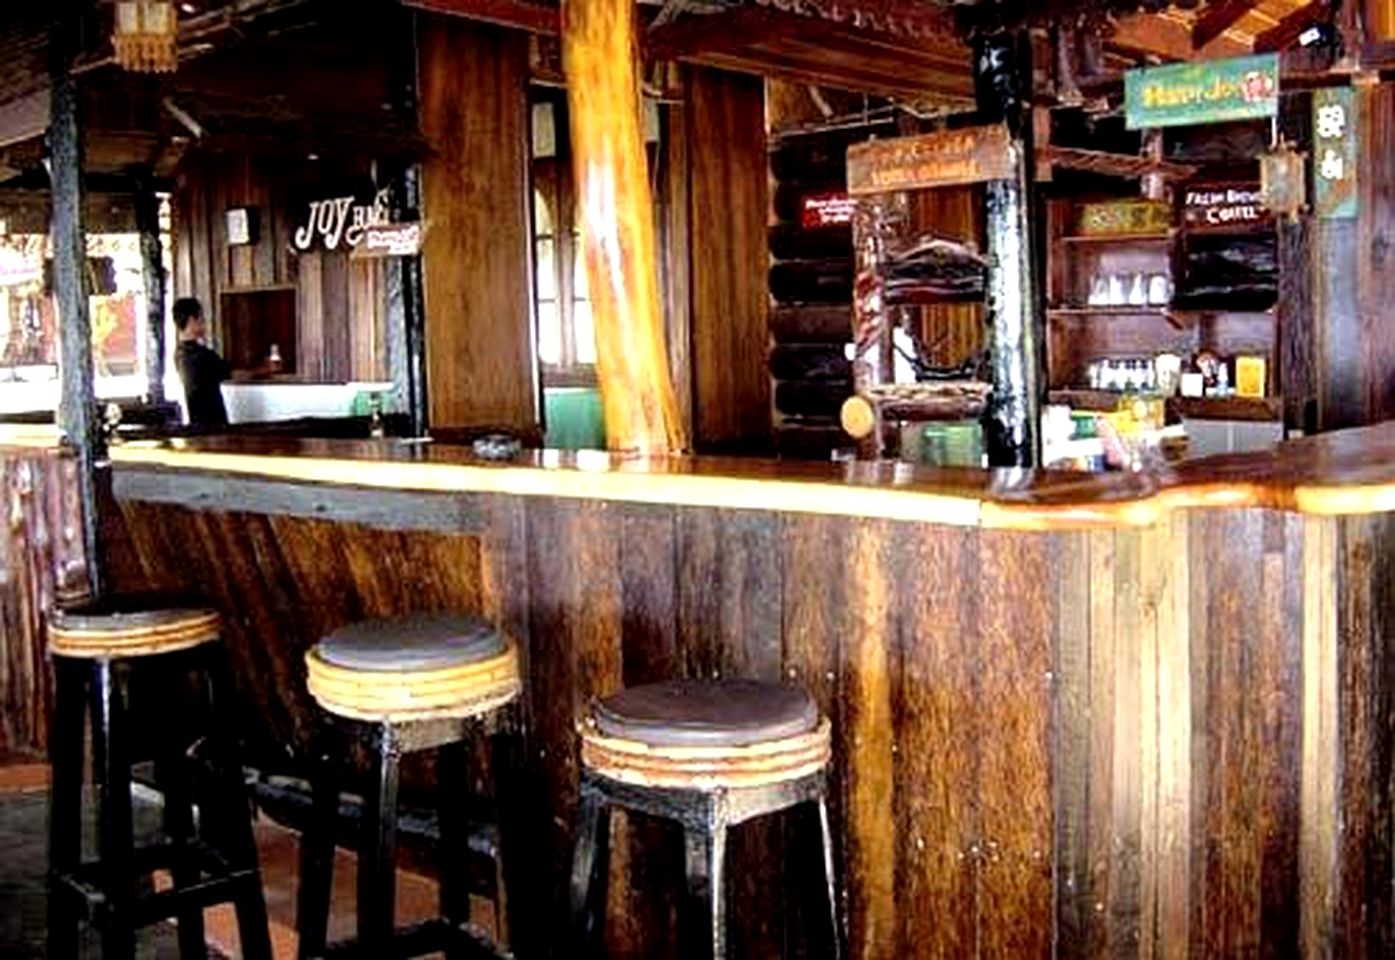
(29, 320)
(566, 333)
(566, 338)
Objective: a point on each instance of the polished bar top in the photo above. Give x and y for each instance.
(1346, 472)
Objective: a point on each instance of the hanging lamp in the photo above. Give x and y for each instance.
(146, 35)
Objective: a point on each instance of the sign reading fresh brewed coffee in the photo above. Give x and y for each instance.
(944, 159)
(342, 223)
(1221, 205)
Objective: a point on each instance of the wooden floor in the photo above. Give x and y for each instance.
(416, 894)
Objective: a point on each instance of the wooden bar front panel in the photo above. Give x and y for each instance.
(1081, 744)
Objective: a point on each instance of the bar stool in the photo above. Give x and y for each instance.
(709, 755)
(97, 649)
(431, 681)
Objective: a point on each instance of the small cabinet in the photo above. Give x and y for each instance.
(255, 320)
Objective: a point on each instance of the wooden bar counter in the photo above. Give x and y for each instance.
(1116, 715)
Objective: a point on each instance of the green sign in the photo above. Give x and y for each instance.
(1211, 91)
(1335, 173)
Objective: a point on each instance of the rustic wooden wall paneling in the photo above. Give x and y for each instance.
(340, 303)
(1161, 742)
(310, 315)
(1364, 668)
(1015, 692)
(41, 560)
(935, 755)
(475, 255)
(673, 207)
(725, 114)
(1376, 269)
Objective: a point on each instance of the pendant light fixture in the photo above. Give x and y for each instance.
(146, 35)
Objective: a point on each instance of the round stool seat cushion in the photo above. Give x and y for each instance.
(131, 625)
(432, 641)
(699, 713)
(422, 667)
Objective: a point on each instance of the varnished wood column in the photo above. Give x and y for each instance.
(616, 214)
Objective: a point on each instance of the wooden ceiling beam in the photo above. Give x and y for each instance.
(1286, 32)
(1145, 35)
(518, 14)
(738, 29)
(1217, 18)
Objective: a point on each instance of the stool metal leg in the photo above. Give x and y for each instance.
(377, 858)
(114, 827)
(590, 869)
(452, 785)
(705, 849)
(317, 845)
(66, 754)
(171, 776)
(232, 809)
(835, 924)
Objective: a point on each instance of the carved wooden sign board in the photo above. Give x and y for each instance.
(365, 229)
(947, 158)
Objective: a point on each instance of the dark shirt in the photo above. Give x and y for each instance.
(203, 373)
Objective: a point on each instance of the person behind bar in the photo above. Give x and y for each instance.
(201, 369)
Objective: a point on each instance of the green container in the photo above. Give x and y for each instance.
(950, 443)
(574, 418)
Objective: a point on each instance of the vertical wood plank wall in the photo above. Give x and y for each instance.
(1160, 742)
(1355, 354)
(41, 559)
(340, 305)
(725, 115)
(475, 254)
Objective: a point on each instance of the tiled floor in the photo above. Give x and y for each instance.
(416, 894)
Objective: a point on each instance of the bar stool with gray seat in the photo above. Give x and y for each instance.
(398, 686)
(710, 755)
(98, 649)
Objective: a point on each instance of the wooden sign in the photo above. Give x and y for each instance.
(1334, 153)
(945, 159)
(389, 240)
(1212, 91)
(339, 220)
(820, 210)
(1224, 205)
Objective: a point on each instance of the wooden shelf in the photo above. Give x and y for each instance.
(1229, 408)
(1196, 408)
(1120, 238)
(926, 299)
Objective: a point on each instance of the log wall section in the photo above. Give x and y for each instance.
(1168, 741)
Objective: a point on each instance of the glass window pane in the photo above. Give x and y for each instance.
(585, 331)
(542, 215)
(549, 332)
(546, 268)
(544, 130)
(579, 290)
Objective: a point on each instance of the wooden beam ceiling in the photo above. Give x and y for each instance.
(1287, 31)
(1217, 18)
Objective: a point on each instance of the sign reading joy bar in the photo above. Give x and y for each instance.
(946, 159)
(1241, 88)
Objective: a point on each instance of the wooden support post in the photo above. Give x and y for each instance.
(600, 53)
(147, 209)
(1013, 425)
(407, 306)
(77, 417)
